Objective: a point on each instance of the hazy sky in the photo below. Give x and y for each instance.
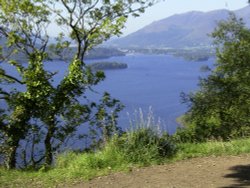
(171, 7)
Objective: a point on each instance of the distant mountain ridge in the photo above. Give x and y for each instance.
(189, 29)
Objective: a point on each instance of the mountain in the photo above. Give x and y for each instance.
(190, 29)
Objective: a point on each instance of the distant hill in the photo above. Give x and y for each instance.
(95, 53)
(190, 29)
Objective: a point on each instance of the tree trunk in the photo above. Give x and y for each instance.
(48, 146)
(12, 157)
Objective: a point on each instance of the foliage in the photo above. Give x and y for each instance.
(53, 112)
(103, 125)
(144, 146)
(95, 53)
(195, 54)
(220, 109)
(185, 134)
(145, 142)
(92, 22)
(108, 65)
(19, 31)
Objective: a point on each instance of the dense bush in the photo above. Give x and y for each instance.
(193, 132)
(145, 145)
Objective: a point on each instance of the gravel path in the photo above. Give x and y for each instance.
(208, 172)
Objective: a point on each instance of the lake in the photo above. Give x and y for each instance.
(153, 81)
(150, 81)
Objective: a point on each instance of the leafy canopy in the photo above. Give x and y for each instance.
(220, 109)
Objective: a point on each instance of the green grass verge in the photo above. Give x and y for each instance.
(212, 148)
(72, 167)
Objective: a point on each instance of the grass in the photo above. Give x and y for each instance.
(72, 167)
(212, 148)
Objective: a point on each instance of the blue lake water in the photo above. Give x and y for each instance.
(154, 81)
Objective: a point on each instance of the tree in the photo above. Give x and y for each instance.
(23, 27)
(57, 110)
(220, 109)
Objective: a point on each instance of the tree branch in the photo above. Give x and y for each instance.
(12, 78)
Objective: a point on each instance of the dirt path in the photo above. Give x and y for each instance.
(209, 172)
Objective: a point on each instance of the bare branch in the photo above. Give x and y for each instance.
(4, 93)
(12, 78)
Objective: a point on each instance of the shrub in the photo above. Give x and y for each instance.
(145, 143)
(144, 146)
(191, 132)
